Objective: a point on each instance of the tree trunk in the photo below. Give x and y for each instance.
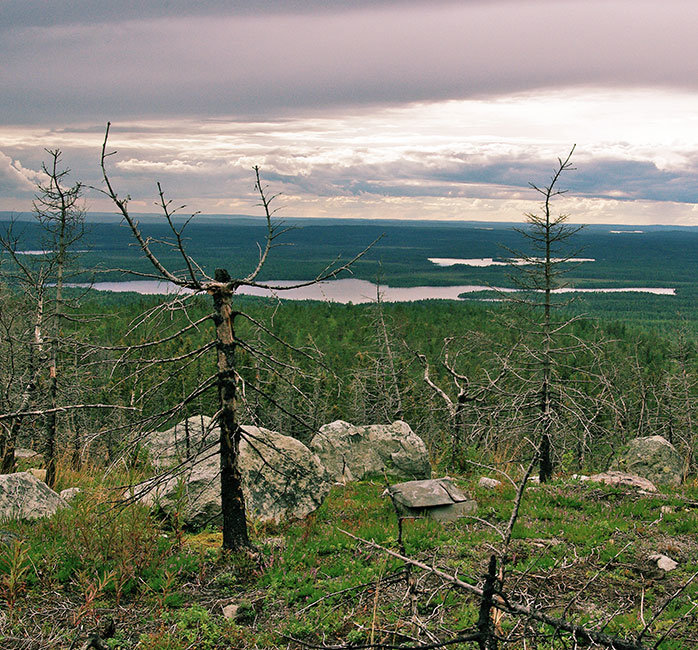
(51, 420)
(7, 447)
(50, 443)
(545, 451)
(232, 499)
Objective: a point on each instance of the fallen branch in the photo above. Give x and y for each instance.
(579, 632)
(463, 638)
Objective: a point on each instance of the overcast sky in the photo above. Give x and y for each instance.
(359, 108)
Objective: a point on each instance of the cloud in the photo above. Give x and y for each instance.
(24, 13)
(16, 180)
(274, 62)
(633, 147)
(151, 166)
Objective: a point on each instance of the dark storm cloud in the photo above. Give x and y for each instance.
(71, 62)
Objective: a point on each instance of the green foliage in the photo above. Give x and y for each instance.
(314, 583)
(15, 565)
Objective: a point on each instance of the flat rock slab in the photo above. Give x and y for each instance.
(437, 498)
(23, 496)
(622, 478)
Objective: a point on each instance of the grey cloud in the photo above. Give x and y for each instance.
(636, 180)
(40, 13)
(616, 179)
(265, 64)
(190, 172)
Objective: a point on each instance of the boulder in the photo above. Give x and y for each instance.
(438, 499)
(351, 453)
(282, 479)
(23, 496)
(230, 611)
(653, 458)
(622, 478)
(35, 457)
(186, 439)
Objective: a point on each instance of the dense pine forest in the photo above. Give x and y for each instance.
(632, 379)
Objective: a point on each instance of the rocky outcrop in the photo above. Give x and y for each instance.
(351, 453)
(653, 458)
(282, 479)
(23, 496)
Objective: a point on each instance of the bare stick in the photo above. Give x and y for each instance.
(559, 624)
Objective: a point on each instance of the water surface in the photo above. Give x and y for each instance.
(354, 290)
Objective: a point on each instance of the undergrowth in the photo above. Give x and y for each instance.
(166, 588)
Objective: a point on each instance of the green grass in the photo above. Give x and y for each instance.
(165, 589)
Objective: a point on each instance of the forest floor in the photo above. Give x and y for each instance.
(578, 549)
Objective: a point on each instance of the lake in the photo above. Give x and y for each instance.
(354, 290)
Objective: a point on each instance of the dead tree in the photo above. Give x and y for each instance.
(60, 211)
(469, 394)
(40, 277)
(545, 395)
(228, 345)
(20, 341)
(380, 384)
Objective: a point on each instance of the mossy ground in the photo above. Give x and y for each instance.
(165, 588)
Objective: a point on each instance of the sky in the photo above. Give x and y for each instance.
(403, 109)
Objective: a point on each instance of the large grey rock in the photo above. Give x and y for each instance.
(438, 499)
(653, 458)
(622, 478)
(282, 479)
(23, 496)
(351, 453)
(186, 439)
